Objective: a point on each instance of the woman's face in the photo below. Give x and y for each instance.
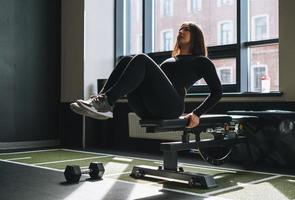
(184, 35)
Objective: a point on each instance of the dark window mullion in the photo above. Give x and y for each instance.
(224, 51)
(261, 42)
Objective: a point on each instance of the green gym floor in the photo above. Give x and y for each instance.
(39, 175)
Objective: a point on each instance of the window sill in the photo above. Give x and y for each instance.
(239, 94)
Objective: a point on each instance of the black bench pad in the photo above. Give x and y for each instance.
(158, 125)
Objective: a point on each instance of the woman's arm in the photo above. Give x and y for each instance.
(212, 80)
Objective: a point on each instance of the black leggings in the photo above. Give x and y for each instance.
(149, 91)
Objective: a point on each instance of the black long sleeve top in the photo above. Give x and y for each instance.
(184, 70)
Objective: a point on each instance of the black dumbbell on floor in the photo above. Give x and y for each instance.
(73, 172)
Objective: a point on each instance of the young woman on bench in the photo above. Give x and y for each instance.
(158, 91)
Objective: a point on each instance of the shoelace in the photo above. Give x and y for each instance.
(98, 98)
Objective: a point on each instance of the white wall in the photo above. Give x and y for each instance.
(98, 43)
(87, 46)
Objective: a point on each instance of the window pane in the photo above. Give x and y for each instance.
(263, 19)
(226, 71)
(133, 27)
(264, 68)
(218, 22)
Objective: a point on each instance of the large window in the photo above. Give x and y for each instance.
(242, 36)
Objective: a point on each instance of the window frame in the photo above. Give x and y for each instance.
(162, 39)
(220, 32)
(253, 67)
(191, 9)
(219, 70)
(169, 11)
(221, 3)
(238, 50)
(253, 27)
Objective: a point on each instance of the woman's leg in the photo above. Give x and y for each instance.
(116, 73)
(137, 105)
(143, 78)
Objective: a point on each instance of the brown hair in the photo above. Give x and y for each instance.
(197, 45)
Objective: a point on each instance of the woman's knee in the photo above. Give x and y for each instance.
(124, 60)
(141, 57)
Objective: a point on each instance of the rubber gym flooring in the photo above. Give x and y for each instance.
(39, 175)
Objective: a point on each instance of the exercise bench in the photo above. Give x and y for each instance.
(219, 125)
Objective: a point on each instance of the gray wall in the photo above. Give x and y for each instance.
(72, 48)
(287, 49)
(29, 70)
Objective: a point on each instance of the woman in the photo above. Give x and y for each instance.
(155, 91)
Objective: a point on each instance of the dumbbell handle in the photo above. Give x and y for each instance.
(86, 171)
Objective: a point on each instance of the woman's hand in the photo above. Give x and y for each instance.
(193, 120)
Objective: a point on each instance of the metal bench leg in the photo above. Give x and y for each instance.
(170, 160)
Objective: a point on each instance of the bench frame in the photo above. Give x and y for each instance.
(170, 150)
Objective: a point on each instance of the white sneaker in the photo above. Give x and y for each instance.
(96, 115)
(98, 105)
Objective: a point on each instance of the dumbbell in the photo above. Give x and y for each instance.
(73, 172)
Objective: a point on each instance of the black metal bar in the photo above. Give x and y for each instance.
(179, 146)
(261, 42)
(204, 180)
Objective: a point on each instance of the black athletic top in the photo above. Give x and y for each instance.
(184, 70)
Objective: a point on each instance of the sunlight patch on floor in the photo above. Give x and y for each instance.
(256, 192)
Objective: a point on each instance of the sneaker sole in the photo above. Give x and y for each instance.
(80, 111)
(108, 114)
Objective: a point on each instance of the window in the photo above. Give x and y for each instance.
(257, 72)
(208, 21)
(263, 19)
(225, 75)
(167, 40)
(240, 35)
(193, 6)
(225, 32)
(263, 44)
(260, 28)
(224, 2)
(139, 43)
(268, 55)
(138, 10)
(131, 23)
(167, 7)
